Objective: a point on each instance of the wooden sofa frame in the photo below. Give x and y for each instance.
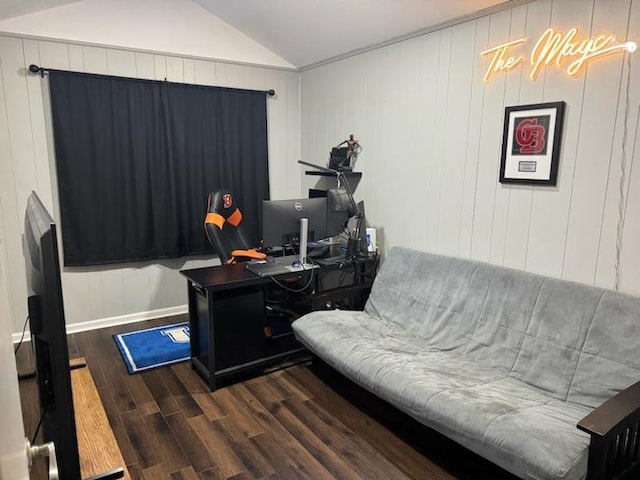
(614, 427)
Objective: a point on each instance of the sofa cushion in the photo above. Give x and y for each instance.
(499, 417)
(546, 332)
(555, 335)
(609, 359)
(435, 299)
(503, 361)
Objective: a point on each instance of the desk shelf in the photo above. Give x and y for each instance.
(319, 173)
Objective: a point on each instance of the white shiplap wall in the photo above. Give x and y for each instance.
(432, 133)
(13, 457)
(114, 294)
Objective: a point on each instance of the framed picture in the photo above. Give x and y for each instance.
(531, 143)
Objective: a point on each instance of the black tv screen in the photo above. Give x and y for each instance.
(48, 336)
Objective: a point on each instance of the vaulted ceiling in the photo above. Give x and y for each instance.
(301, 32)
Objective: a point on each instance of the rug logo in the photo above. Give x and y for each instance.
(177, 335)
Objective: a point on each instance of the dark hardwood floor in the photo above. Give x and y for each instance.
(299, 422)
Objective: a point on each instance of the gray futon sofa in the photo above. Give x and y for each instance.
(504, 362)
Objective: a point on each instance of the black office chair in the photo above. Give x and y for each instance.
(223, 225)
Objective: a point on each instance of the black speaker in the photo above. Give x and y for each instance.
(339, 158)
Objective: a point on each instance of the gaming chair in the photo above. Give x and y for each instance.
(223, 225)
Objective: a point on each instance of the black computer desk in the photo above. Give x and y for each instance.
(229, 306)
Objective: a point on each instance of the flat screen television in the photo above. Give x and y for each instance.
(48, 336)
(281, 220)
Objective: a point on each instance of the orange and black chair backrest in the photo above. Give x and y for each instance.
(223, 225)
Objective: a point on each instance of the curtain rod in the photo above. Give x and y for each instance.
(42, 70)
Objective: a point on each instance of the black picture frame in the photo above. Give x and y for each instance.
(531, 143)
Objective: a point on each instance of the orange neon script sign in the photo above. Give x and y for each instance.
(555, 49)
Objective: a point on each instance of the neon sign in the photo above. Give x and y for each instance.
(555, 49)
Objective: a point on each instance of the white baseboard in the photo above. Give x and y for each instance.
(113, 321)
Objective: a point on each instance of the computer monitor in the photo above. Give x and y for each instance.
(338, 211)
(49, 337)
(281, 220)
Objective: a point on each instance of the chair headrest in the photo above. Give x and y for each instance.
(222, 208)
(221, 201)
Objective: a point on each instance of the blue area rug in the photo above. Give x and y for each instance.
(154, 347)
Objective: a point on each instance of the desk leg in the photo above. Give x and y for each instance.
(193, 320)
(200, 333)
(207, 315)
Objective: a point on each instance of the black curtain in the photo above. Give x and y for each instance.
(136, 160)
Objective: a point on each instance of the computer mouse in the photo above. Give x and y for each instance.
(296, 263)
(270, 258)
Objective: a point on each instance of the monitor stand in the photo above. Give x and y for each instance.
(304, 227)
(302, 258)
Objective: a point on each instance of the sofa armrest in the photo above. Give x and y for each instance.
(614, 427)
